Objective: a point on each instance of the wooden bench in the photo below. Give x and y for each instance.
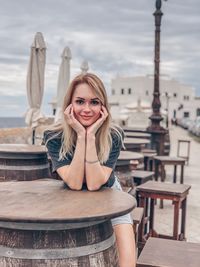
(152, 191)
(169, 253)
(149, 155)
(140, 177)
(134, 178)
(162, 161)
(137, 216)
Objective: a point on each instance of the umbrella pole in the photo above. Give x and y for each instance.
(33, 137)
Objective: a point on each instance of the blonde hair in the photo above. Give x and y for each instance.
(103, 135)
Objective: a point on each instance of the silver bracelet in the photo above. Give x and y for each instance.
(91, 162)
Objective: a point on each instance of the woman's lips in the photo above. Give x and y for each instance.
(86, 117)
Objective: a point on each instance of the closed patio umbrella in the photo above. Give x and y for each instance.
(35, 82)
(84, 67)
(63, 81)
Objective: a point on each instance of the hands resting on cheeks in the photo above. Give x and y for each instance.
(79, 128)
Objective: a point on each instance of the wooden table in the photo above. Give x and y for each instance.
(149, 155)
(23, 162)
(162, 161)
(43, 220)
(141, 177)
(135, 144)
(169, 253)
(137, 135)
(126, 158)
(152, 191)
(126, 162)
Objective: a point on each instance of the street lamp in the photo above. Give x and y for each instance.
(157, 131)
(167, 109)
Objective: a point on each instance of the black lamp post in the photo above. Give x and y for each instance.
(167, 109)
(156, 130)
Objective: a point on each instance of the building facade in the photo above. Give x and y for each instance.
(177, 100)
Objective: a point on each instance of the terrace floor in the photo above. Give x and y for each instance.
(164, 217)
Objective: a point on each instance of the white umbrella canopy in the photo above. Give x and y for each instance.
(84, 67)
(63, 81)
(35, 81)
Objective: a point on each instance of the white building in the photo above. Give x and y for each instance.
(177, 100)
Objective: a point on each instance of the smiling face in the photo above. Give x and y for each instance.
(86, 105)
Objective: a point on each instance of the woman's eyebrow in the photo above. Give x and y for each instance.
(80, 97)
(96, 98)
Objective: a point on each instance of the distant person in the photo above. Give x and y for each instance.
(84, 149)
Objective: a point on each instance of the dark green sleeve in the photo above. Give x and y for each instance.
(113, 156)
(115, 151)
(53, 145)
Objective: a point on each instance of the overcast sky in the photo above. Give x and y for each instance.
(114, 36)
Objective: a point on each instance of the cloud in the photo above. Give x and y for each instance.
(116, 37)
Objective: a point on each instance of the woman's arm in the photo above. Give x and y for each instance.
(73, 174)
(96, 174)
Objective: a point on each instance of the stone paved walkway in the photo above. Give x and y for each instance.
(164, 217)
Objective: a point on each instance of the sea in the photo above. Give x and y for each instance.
(12, 122)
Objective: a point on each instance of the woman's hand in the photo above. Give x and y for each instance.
(73, 122)
(92, 129)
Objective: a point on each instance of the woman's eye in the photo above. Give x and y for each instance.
(79, 102)
(95, 102)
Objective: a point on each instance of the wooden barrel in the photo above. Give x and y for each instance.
(127, 158)
(23, 162)
(135, 144)
(83, 244)
(137, 135)
(44, 224)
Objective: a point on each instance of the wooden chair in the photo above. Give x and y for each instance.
(169, 253)
(187, 156)
(137, 216)
(162, 161)
(152, 191)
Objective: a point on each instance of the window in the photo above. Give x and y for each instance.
(147, 92)
(113, 91)
(175, 95)
(198, 111)
(186, 97)
(122, 91)
(129, 91)
(186, 114)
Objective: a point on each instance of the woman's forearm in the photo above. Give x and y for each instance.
(74, 175)
(94, 172)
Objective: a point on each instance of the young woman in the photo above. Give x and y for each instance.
(84, 149)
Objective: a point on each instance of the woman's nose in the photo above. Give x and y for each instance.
(87, 107)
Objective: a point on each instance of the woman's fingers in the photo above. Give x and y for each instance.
(68, 109)
(72, 121)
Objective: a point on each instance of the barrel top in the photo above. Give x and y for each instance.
(136, 141)
(129, 155)
(137, 135)
(22, 148)
(49, 200)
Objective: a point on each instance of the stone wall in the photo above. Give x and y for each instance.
(21, 135)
